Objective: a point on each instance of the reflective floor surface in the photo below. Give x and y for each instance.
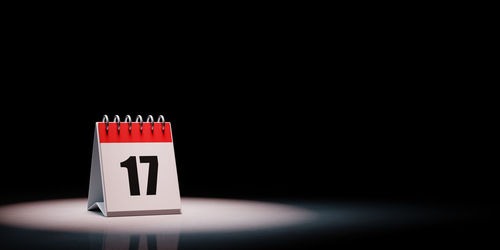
(227, 223)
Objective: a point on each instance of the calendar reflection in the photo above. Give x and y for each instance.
(140, 241)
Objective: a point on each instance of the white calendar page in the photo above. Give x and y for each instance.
(134, 171)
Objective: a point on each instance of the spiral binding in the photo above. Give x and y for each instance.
(138, 118)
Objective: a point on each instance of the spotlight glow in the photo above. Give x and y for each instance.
(198, 215)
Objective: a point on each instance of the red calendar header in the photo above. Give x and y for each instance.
(135, 135)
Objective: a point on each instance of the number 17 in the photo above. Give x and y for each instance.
(133, 179)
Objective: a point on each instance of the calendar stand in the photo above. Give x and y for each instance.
(133, 170)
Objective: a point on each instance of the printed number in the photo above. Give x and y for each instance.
(153, 172)
(133, 179)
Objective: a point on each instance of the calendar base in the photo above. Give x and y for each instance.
(99, 206)
(145, 212)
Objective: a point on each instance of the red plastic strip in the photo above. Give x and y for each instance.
(135, 135)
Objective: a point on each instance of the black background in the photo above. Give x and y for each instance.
(238, 140)
(331, 114)
(243, 131)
